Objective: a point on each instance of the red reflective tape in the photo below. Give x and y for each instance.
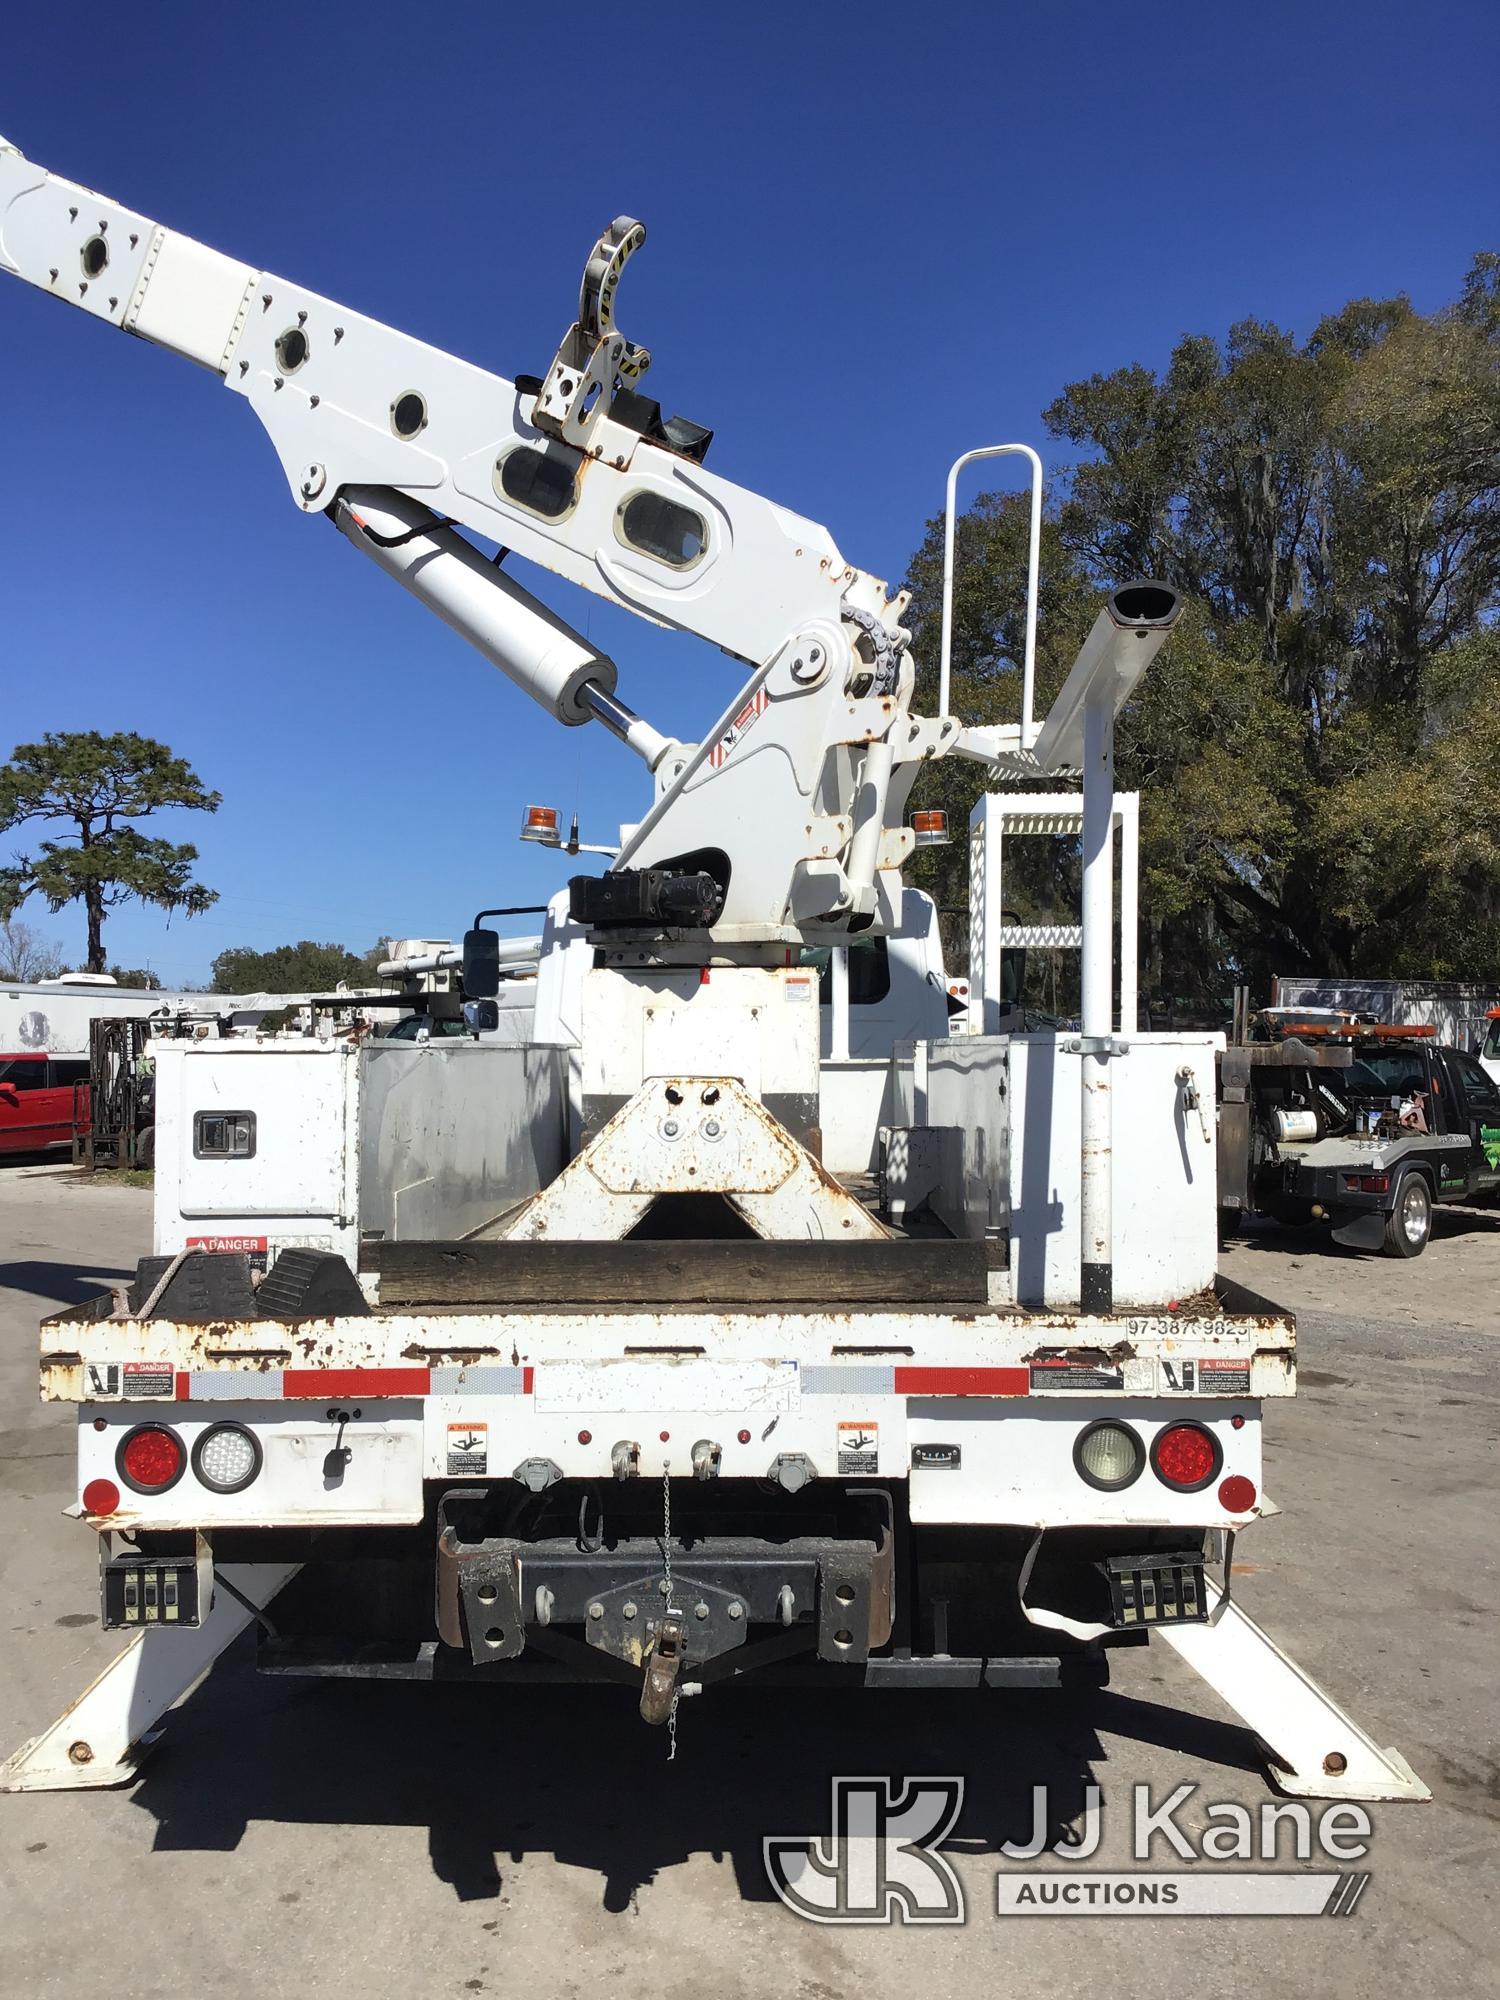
(962, 1382)
(184, 1385)
(355, 1381)
(528, 1381)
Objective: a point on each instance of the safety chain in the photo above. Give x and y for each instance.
(668, 1609)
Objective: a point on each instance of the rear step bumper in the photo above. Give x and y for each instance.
(317, 1659)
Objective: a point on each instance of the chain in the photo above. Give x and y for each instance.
(666, 1577)
(666, 1532)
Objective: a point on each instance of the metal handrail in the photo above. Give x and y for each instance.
(1033, 566)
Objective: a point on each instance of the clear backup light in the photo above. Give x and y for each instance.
(1109, 1456)
(226, 1458)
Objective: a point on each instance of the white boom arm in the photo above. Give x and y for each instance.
(800, 788)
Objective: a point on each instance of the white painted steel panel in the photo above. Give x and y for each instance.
(667, 1385)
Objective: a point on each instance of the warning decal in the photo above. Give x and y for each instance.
(859, 1447)
(742, 724)
(149, 1378)
(1064, 1374)
(468, 1448)
(1224, 1378)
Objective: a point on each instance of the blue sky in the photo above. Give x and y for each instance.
(877, 235)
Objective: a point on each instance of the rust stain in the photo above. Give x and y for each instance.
(1123, 1350)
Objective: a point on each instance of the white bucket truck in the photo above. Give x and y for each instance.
(691, 1406)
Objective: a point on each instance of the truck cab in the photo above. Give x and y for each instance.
(1489, 1048)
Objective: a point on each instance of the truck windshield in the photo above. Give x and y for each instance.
(869, 971)
(1491, 1047)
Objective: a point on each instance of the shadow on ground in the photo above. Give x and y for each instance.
(65, 1284)
(1313, 1238)
(498, 1774)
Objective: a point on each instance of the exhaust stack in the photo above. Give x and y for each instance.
(1079, 734)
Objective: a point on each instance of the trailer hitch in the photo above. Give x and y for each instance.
(663, 1664)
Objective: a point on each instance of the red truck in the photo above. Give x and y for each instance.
(44, 1099)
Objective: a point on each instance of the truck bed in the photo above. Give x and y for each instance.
(490, 1318)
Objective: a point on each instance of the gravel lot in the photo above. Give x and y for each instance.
(373, 1840)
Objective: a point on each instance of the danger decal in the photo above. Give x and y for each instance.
(1224, 1378)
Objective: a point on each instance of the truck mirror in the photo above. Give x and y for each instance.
(481, 1016)
(481, 964)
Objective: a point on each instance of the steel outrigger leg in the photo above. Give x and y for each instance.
(102, 1738)
(1313, 1749)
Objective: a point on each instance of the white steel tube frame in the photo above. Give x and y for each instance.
(999, 816)
(1033, 570)
(838, 1027)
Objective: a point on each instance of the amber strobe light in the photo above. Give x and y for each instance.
(930, 827)
(541, 823)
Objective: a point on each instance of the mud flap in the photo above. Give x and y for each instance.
(1364, 1229)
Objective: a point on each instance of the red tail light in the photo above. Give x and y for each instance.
(1186, 1456)
(151, 1459)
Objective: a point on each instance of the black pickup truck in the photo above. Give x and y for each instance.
(1365, 1137)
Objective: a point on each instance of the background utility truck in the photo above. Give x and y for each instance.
(689, 1406)
(1360, 1127)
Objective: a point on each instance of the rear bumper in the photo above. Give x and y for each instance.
(1001, 1460)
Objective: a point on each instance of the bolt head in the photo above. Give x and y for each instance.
(629, 1610)
(700, 1609)
(596, 1610)
(80, 1752)
(736, 1610)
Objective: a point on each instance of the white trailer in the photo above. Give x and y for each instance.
(699, 1406)
(53, 1016)
(1462, 1014)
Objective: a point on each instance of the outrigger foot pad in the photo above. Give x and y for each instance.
(102, 1739)
(1313, 1749)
